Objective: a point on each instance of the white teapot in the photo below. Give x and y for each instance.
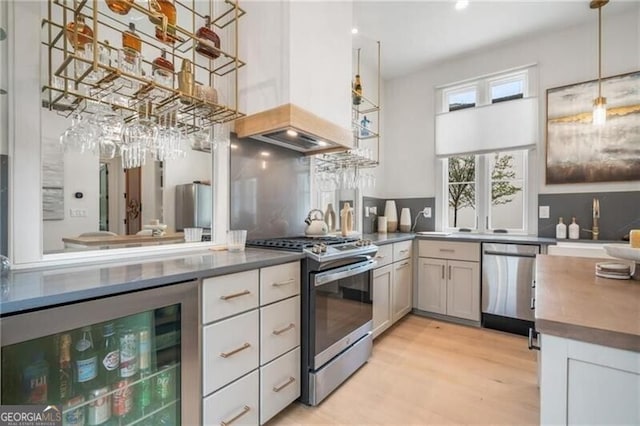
(316, 226)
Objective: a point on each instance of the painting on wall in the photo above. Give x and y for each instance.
(52, 180)
(580, 152)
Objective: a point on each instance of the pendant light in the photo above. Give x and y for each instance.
(599, 103)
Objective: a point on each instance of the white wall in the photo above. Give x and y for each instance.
(563, 57)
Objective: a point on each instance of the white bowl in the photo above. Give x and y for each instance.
(623, 251)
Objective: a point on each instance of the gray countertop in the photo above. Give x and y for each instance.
(393, 237)
(41, 288)
(491, 238)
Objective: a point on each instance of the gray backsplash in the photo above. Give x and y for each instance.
(370, 224)
(269, 195)
(619, 213)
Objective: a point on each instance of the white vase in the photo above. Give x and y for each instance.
(391, 213)
(405, 220)
(382, 225)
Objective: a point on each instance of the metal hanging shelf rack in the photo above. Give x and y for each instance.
(67, 91)
(354, 158)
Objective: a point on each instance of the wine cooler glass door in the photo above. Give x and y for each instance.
(103, 367)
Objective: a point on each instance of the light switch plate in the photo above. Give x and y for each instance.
(543, 212)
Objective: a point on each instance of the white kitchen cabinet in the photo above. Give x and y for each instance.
(585, 383)
(449, 279)
(432, 285)
(251, 344)
(382, 282)
(402, 289)
(392, 285)
(463, 289)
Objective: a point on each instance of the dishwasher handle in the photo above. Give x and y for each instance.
(506, 254)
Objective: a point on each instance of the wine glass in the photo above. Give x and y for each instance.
(139, 137)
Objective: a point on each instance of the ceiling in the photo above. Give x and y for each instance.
(415, 34)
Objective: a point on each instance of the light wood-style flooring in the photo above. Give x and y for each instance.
(425, 371)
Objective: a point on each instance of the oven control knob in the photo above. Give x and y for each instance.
(316, 249)
(323, 248)
(359, 243)
(368, 242)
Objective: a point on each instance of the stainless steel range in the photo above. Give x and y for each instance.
(336, 309)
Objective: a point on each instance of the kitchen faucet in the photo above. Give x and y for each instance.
(595, 230)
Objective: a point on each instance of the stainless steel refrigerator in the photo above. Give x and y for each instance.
(193, 206)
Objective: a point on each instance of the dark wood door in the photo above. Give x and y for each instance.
(133, 199)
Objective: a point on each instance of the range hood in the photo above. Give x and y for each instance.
(295, 128)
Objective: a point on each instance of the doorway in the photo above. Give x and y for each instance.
(133, 203)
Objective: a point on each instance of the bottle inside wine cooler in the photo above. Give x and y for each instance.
(110, 355)
(34, 379)
(65, 380)
(86, 361)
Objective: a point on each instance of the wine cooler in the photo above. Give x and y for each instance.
(130, 359)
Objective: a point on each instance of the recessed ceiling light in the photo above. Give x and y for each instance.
(292, 133)
(322, 143)
(234, 146)
(354, 30)
(462, 4)
(265, 153)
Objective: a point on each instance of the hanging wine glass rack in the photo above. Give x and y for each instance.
(75, 80)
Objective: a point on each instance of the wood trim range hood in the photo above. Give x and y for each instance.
(296, 87)
(295, 128)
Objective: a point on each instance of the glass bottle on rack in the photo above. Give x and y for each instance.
(145, 388)
(86, 361)
(163, 13)
(356, 95)
(162, 70)
(78, 33)
(121, 7)
(131, 43)
(209, 42)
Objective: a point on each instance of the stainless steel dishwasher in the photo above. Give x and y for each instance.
(508, 272)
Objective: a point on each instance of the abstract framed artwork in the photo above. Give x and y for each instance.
(579, 151)
(52, 180)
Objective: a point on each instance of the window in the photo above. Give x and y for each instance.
(491, 186)
(461, 191)
(460, 98)
(507, 171)
(508, 88)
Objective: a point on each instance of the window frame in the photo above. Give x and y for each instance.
(446, 93)
(492, 82)
(483, 183)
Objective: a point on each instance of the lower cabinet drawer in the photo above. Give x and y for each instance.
(384, 256)
(279, 384)
(229, 350)
(279, 328)
(236, 404)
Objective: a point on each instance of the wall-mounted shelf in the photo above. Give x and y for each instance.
(75, 80)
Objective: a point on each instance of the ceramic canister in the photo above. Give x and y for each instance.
(405, 220)
(382, 225)
(391, 214)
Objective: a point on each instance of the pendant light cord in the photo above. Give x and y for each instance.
(600, 52)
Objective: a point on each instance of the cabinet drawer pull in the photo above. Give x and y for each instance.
(404, 251)
(281, 283)
(443, 272)
(380, 257)
(402, 265)
(449, 272)
(247, 345)
(533, 283)
(284, 385)
(244, 411)
(282, 330)
(447, 250)
(533, 304)
(233, 296)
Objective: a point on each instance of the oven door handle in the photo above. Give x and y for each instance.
(347, 271)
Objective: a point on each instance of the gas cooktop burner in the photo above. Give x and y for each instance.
(298, 243)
